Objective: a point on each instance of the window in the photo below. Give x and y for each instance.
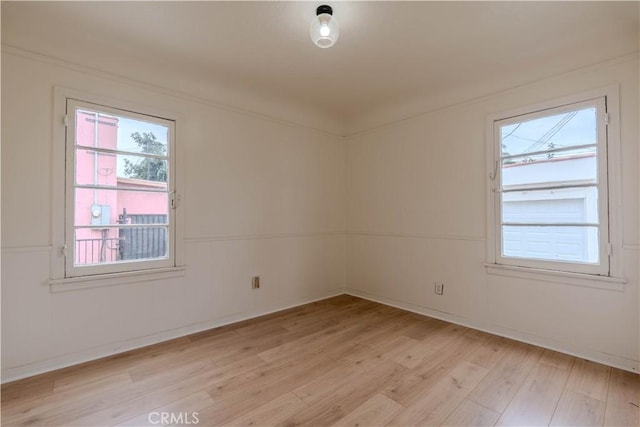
(549, 188)
(119, 190)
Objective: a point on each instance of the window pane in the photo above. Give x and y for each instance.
(120, 170)
(120, 133)
(114, 245)
(133, 168)
(102, 208)
(567, 129)
(564, 168)
(553, 243)
(567, 205)
(121, 191)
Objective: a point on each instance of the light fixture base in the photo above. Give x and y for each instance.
(324, 9)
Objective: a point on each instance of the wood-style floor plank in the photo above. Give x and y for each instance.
(535, 402)
(589, 378)
(448, 353)
(497, 389)
(118, 407)
(623, 401)
(490, 352)
(437, 402)
(331, 407)
(469, 413)
(182, 409)
(244, 393)
(343, 361)
(34, 388)
(271, 413)
(584, 397)
(377, 411)
(578, 409)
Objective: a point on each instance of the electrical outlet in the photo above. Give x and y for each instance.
(255, 282)
(438, 289)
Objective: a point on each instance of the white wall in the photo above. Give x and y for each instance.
(416, 214)
(260, 197)
(265, 197)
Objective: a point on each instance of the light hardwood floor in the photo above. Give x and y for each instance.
(342, 361)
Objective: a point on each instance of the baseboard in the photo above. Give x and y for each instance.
(594, 356)
(20, 372)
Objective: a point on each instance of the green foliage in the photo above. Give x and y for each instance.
(147, 168)
(506, 153)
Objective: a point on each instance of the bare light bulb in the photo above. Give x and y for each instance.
(324, 27)
(325, 30)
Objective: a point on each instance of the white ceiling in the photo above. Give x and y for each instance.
(388, 52)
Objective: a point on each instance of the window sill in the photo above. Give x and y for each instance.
(114, 279)
(575, 279)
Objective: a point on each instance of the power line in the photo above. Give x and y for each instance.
(547, 135)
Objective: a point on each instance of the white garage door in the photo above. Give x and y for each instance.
(548, 243)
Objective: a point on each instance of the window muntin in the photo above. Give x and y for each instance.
(550, 189)
(119, 190)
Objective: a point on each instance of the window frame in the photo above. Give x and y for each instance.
(608, 186)
(59, 280)
(72, 270)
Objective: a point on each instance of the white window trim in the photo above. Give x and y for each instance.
(58, 277)
(542, 271)
(602, 268)
(114, 279)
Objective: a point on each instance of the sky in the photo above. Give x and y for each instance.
(126, 127)
(566, 129)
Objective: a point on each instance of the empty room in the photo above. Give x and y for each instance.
(306, 213)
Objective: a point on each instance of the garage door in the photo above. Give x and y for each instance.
(561, 243)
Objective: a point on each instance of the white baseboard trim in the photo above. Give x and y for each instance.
(588, 354)
(20, 372)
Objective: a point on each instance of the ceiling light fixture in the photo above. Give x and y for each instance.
(324, 27)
